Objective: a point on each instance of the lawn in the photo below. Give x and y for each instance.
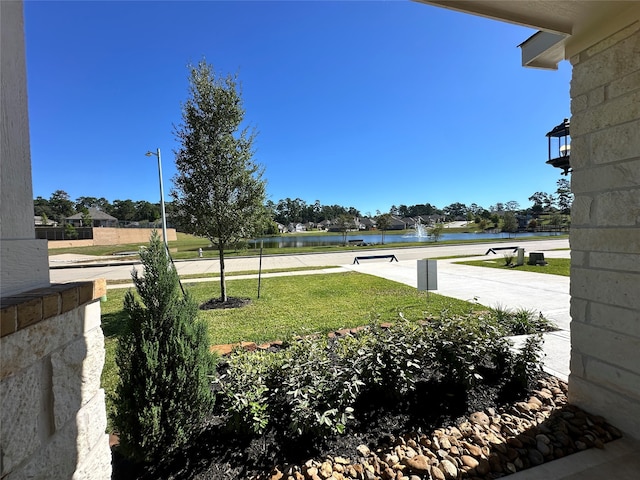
(289, 306)
(555, 266)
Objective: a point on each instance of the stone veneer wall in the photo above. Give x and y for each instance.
(52, 416)
(605, 229)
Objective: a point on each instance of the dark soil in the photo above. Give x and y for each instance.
(232, 302)
(220, 454)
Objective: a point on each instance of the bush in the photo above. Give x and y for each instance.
(312, 387)
(164, 391)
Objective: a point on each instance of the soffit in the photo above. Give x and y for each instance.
(559, 16)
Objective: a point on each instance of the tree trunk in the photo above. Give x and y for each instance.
(223, 284)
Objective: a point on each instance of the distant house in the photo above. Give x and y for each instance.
(296, 227)
(324, 225)
(367, 223)
(397, 223)
(98, 219)
(38, 222)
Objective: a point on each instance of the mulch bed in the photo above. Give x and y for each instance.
(438, 432)
(232, 302)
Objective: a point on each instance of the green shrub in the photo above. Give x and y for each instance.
(164, 392)
(464, 344)
(320, 387)
(246, 387)
(312, 387)
(522, 321)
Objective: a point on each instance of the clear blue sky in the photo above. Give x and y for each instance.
(356, 103)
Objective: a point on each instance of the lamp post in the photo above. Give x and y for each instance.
(164, 216)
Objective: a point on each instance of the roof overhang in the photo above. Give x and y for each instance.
(567, 27)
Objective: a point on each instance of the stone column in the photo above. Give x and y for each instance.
(605, 229)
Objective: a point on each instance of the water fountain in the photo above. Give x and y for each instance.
(421, 231)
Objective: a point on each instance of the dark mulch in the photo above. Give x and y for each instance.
(232, 302)
(221, 455)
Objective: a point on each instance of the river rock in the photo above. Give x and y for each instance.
(418, 463)
(480, 418)
(469, 461)
(449, 469)
(436, 473)
(535, 457)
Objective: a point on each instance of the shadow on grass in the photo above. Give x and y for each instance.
(114, 325)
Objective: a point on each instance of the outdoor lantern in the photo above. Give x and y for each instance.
(561, 135)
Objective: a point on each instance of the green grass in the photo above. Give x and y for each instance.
(192, 276)
(289, 306)
(555, 266)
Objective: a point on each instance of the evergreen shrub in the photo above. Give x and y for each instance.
(164, 391)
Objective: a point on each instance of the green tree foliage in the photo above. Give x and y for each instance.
(509, 223)
(564, 197)
(164, 392)
(218, 190)
(384, 222)
(124, 210)
(61, 206)
(435, 232)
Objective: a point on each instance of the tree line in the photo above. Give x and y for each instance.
(287, 210)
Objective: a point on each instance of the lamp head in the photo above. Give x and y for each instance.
(148, 154)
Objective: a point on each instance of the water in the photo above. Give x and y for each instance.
(286, 241)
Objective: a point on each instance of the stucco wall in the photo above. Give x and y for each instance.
(23, 259)
(605, 229)
(53, 418)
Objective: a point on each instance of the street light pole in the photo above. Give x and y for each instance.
(164, 215)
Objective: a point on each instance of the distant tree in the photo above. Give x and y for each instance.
(146, 211)
(124, 210)
(403, 211)
(70, 232)
(87, 221)
(344, 223)
(218, 190)
(60, 206)
(512, 206)
(384, 222)
(101, 203)
(44, 219)
(435, 232)
(455, 210)
(41, 207)
(509, 223)
(564, 196)
(542, 202)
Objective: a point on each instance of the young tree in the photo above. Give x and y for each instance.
(509, 223)
(384, 222)
(218, 190)
(435, 232)
(164, 392)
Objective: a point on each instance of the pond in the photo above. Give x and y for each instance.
(286, 241)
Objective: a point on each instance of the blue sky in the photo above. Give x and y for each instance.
(356, 103)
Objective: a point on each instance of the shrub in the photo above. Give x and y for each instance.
(522, 321)
(463, 345)
(245, 389)
(164, 392)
